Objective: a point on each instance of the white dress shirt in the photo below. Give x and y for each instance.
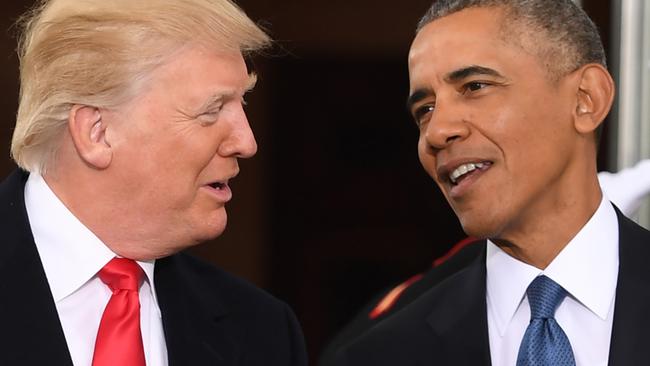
(587, 268)
(72, 255)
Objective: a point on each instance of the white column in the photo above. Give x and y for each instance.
(633, 117)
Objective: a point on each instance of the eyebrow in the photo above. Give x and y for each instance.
(465, 72)
(452, 77)
(216, 98)
(417, 96)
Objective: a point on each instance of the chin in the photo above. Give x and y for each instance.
(213, 228)
(215, 232)
(478, 228)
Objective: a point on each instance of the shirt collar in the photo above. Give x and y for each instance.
(71, 254)
(587, 268)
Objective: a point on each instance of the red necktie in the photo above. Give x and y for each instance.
(119, 340)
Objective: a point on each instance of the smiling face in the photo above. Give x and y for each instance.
(496, 133)
(175, 148)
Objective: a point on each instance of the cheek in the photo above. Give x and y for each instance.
(205, 162)
(168, 179)
(185, 158)
(427, 159)
(517, 132)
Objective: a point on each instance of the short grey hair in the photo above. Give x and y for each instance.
(571, 39)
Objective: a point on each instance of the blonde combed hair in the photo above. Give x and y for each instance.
(99, 53)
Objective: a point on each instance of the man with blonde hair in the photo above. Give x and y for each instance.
(129, 128)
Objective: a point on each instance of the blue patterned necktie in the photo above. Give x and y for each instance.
(545, 343)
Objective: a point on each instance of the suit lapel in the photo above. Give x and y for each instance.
(198, 330)
(460, 321)
(31, 331)
(629, 346)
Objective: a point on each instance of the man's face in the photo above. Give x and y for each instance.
(495, 132)
(176, 147)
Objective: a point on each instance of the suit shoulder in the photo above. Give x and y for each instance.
(205, 278)
(192, 291)
(204, 302)
(404, 338)
(393, 301)
(458, 258)
(634, 246)
(441, 293)
(12, 188)
(459, 295)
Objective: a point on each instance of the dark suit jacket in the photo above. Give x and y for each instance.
(209, 317)
(447, 325)
(455, 260)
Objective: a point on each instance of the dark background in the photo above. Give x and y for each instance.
(335, 206)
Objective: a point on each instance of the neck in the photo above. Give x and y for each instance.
(87, 193)
(538, 239)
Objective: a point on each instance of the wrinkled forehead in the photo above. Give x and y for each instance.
(484, 36)
(459, 37)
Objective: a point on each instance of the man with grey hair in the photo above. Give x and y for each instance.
(129, 129)
(509, 96)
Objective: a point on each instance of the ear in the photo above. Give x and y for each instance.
(594, 97)
(88, 134)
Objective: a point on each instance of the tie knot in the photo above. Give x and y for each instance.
(544, 296)
(121, 274)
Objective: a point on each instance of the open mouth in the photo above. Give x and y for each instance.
(218, 190)
(218, 185)
(465, 170)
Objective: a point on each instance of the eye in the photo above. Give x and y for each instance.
(209, 117)
(474, 86)
(422, 113)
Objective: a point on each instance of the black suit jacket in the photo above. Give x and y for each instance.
(447, 325)
(363, 321)
(209, 317)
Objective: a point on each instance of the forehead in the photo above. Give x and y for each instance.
(199, 65)
(194, 75)
(473, 36)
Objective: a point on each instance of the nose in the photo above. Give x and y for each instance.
(446, 125)
(240, 141)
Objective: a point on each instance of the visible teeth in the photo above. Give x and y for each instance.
(464, 169)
